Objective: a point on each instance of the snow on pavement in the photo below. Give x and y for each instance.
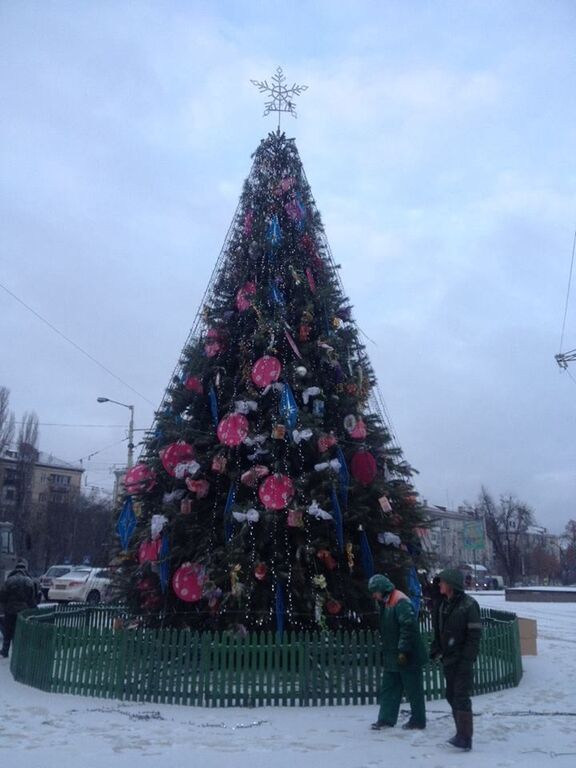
(531, 726)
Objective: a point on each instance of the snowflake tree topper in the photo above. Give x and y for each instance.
(280, 95)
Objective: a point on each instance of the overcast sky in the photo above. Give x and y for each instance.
(438, 139)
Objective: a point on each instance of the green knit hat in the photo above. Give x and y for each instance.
(453, 578)
(380, 583)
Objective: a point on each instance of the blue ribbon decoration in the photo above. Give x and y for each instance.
(288, 408)
(366, 555)
(163, 557)
(126, 523)
(337, 512)
(274, 233)
(344, 477)
(228, 525)
(414, 590)
(213, 404)
(280, 608)
(276, 295)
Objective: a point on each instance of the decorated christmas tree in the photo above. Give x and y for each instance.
(270, 488)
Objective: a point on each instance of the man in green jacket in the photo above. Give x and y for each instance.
(404, 655)
(457, 630)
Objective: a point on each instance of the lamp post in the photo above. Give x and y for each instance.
(130, 428)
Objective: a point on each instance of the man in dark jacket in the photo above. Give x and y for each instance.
(403, 658)
(457, 630)
(17, 595)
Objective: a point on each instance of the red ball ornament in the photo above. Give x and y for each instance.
(140, 479)
(188, 582)
(260, 571)
(233, 429)
(266, 371)
(276, 492)
(174, 454)
(333, 607)
(363, 467)
(148, 551)
(199, 487)
(194, 384)
(244, 296)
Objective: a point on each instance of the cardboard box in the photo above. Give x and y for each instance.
(528, 636)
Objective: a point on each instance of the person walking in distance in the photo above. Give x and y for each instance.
(17, 594)
(457, 630)
(404, 655)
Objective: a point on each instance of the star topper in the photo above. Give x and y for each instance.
(280, 95)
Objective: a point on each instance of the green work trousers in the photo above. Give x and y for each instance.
(394, 684)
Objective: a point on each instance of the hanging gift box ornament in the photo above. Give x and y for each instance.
(194, 384)
(174, 454)
(295, 518)
(385, 505)
(200, 487)
(266, 371)
(219, 464)
(215, 342)
(233, 429)
(260, 571)
(244, 296)
(279, 432)
(363, 467)
(333, 607)
(186, 506)
(325, 442)
(304, 332)
(318, 408)
(188, 582)
(140, 479)
(276, 492)
(148, 551)
(252, 476)
(359, 432)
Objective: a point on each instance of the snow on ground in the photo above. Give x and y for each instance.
(532, 726)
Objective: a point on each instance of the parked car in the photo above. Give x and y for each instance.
(52, 573)
(82, 585)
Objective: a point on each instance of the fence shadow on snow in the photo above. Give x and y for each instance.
(81, 650)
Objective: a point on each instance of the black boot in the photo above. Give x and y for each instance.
(464, 729)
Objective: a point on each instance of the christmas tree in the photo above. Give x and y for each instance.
(270, 488)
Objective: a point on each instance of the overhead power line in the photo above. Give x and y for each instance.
(73, 343)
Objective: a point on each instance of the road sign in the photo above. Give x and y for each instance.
(473, 535)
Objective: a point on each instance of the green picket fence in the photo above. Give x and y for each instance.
(84, 650)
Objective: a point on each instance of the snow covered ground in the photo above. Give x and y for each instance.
(530, 726)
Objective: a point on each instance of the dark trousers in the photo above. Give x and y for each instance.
(394, 684)
(8, 631)
(459, 682)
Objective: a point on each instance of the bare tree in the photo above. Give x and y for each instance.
(6, 419)
(27, 458)
(506, 526)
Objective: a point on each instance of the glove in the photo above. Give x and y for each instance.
(402, 659)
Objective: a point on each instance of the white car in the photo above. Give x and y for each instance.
(52, 573)
(82, 585)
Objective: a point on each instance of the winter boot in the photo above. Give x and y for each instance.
(464, 728)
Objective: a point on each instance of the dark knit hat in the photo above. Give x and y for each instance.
(380, 583)
(453, 578)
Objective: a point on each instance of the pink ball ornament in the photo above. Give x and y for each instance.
(233, 429)
(148, 551)
(188, 582)
(140, 479)
(174, 454)
(276, 492)
(244, 296)
(194, 384)
(266, 371)
(363, 467)
(359, 432)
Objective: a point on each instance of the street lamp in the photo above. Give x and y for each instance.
(130, 428)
